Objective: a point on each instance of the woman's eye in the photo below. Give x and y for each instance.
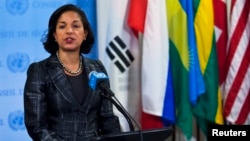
(76, 26)
(61, 26)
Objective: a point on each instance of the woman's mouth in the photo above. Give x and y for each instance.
(69, 40)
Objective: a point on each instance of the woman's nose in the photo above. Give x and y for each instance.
(69, 30)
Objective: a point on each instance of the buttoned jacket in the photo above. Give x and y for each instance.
(52, 113)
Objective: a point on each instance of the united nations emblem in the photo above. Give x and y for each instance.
(16, 120)
(17, 7)
(18, 62)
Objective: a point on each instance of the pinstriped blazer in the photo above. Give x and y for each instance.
(51, 111)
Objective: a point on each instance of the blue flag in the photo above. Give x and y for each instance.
(89, 7)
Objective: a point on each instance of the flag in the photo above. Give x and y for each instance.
(89, 7)
(209, 106)
(237, 86)
(152, 23)
(155, 68)
(136, 15)
(119, 51)
(221, 34)
(195, 78)
(154, 58)
(180, 61)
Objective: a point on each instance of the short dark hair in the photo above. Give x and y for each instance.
(48, 40)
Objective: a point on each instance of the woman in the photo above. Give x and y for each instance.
(58, 103)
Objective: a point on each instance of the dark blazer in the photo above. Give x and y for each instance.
(52, 113)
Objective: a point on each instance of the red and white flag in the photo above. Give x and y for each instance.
(221, 34)
(152, 24)
(237, 84)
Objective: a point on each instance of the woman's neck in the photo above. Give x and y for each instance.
(71, 62)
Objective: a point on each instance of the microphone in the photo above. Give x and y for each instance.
(99, 79)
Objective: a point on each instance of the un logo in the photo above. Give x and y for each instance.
(18, 62)
(17, 7)
(16, 120)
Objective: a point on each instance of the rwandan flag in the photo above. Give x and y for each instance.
(209, 106)
(187, 77)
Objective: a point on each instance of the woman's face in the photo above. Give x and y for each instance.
(69, 33)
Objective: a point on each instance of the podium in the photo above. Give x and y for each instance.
(159, 134)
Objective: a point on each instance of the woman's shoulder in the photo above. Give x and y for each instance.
(88, 60)
(93, 64)
(41, 63)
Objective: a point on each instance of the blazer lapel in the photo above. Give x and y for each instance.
(60, 80)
